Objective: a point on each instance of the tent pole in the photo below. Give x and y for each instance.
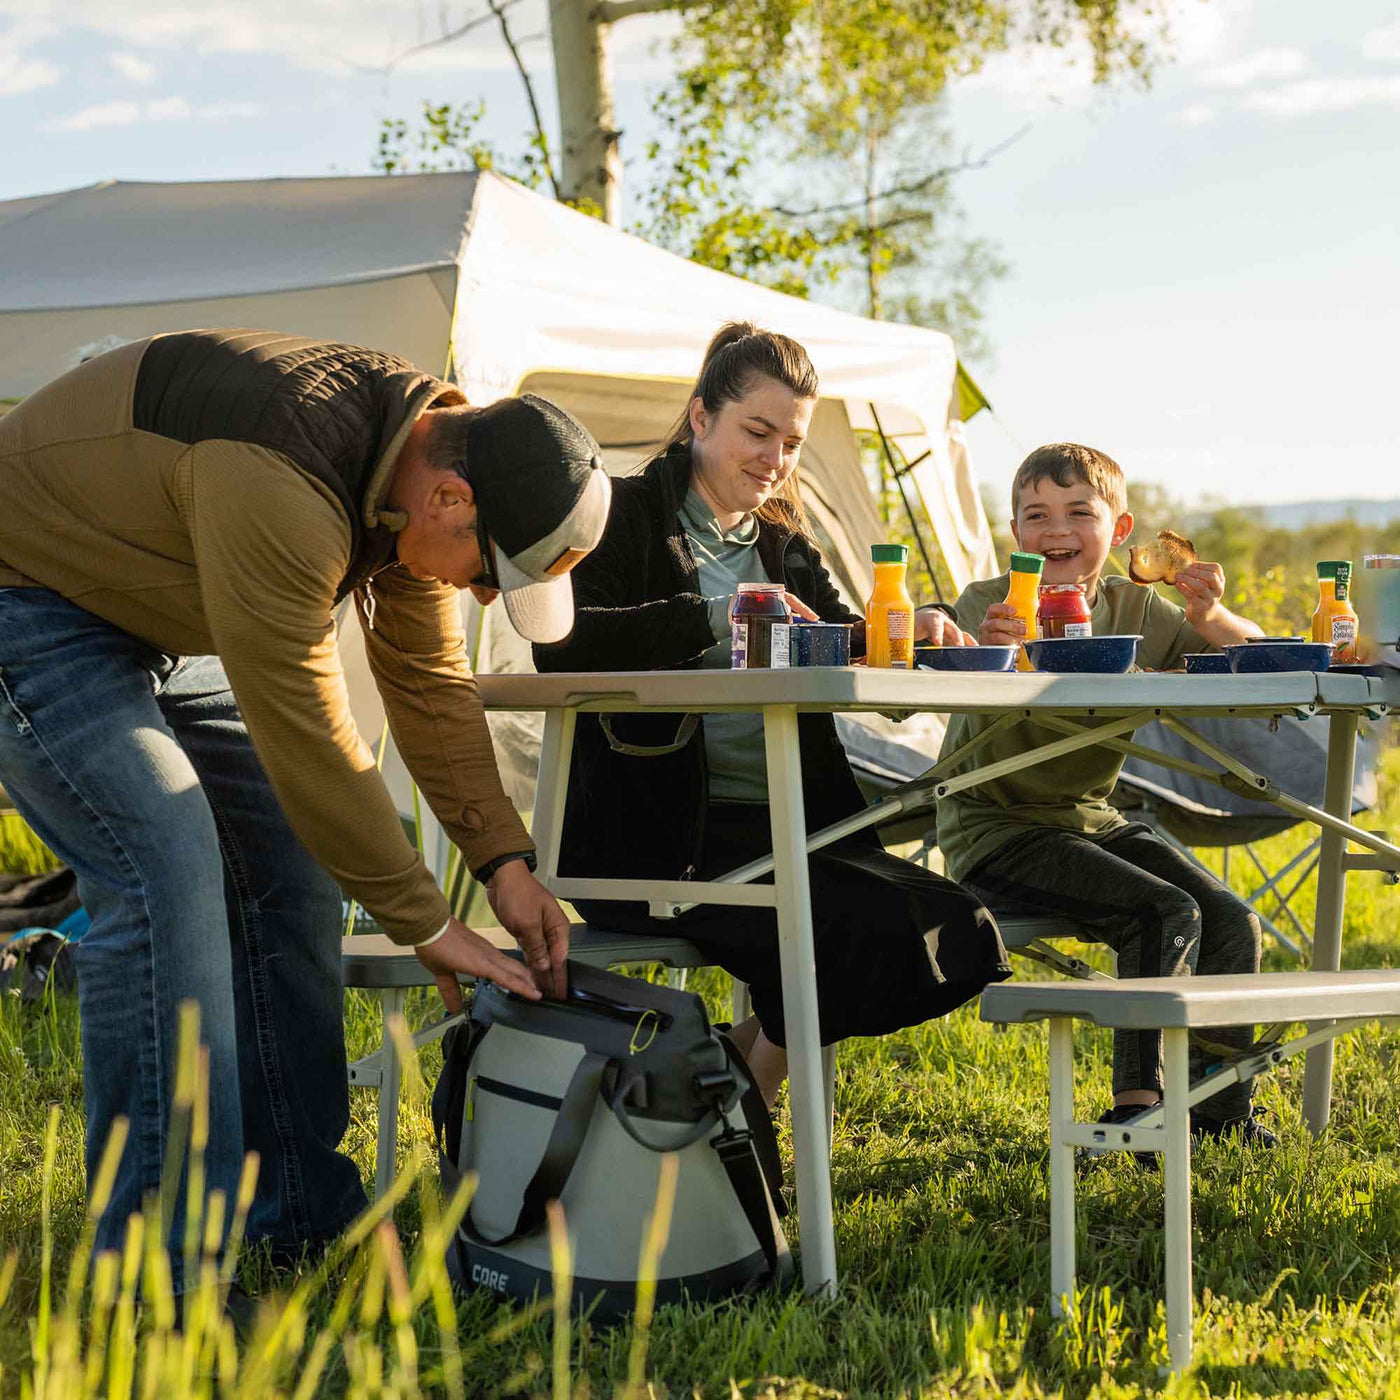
(908, 509)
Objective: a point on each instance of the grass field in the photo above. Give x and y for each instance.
(942, 1230)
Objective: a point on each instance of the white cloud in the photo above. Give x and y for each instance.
(229, 111)
(19, 75)
(1382, 44)
(1324, 95)
(104, 114)
(1197, 114)
(19, 71)
(328, 35)
(1262, 66)
(164, 109)
(133, 67)
(167, 109)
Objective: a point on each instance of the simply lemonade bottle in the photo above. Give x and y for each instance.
(889, 615)
(1024, 596)
(1335, 619)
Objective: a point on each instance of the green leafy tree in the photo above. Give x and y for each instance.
(804, 142)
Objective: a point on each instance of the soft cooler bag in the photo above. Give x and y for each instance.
(574, 1100)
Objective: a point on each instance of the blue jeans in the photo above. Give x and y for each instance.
(135, 768)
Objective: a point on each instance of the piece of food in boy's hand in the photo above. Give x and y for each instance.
(1159, 561)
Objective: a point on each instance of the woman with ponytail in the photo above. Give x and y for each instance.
(685, 797)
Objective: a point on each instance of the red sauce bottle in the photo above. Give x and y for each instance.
(1064, 611)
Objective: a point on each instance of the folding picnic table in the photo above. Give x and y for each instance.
(1115, 706)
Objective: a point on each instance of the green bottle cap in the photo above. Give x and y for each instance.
(1330, 568)
(1027, 563)
(889, 554)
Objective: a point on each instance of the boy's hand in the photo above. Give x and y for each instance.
(1001, 627)
(934, 626)
(1202, 586)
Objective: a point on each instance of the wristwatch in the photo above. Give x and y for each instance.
(484, 874)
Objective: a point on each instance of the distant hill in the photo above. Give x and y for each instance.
(1296, 514)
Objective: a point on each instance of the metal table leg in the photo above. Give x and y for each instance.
(807, 1086)
(1061, 1166)
(1176, 1183)
(552, 790)
(391, 1003)
(1331, 896)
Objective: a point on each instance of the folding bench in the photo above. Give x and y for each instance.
(1176, 1006)
(373, 962)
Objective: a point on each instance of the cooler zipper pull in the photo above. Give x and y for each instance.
(370, 603)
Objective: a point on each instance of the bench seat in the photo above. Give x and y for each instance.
(1330, 1003)
(1158, 1003)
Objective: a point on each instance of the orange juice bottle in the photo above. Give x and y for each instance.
(1024, 596)
(1335, 619)
(889, 615)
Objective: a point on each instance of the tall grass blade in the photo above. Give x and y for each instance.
(658, 1231)
(41, 1334)
(562, 1266)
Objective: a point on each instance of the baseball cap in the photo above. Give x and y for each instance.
(543, 494)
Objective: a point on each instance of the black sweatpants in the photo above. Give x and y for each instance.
(1161, 915)
(895, 944)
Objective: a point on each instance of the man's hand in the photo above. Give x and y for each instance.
(1202, 586)
(461, 950)
(933, 625)
(532, 916)
(1002, 627)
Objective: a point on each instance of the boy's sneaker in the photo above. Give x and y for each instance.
(1120, 1117)
(1249, 1130)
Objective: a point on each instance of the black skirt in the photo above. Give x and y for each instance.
(895, 944)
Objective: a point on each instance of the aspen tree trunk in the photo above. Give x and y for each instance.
(590, 165)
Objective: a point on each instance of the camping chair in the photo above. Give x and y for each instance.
(1190, 813)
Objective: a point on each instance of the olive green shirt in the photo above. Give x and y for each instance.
(1071, 792)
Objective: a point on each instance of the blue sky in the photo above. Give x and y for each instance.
(1205, 276)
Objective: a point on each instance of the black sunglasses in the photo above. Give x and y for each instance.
(487, 577)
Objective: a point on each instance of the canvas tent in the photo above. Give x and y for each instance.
(503, 290)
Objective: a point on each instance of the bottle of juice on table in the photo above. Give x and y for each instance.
(1024, 596)
(889, 615)
(1335, 619)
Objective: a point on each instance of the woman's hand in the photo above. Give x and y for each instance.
(1002, 627)
(934, 626)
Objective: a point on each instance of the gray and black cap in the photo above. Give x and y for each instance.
(539, 483)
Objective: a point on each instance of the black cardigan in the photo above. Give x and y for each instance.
(638, 608)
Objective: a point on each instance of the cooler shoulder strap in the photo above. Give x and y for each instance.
(561, 1152)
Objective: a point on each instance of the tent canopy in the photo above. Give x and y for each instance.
(475, 278)
(467, 274)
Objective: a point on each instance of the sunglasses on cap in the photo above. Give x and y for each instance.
(487, 578)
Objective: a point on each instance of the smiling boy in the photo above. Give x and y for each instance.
(1045, 841)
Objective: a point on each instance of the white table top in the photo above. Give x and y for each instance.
(863, 688)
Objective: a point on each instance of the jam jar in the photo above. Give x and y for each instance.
(760, 627)
(1064, 611)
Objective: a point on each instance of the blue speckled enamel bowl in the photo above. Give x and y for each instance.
(1251, 658)
(1207, 663)
(1112, 655)
(965, 658)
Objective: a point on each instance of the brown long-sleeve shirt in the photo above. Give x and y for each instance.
(231, 547)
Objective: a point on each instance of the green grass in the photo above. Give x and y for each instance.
(942, 1232)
